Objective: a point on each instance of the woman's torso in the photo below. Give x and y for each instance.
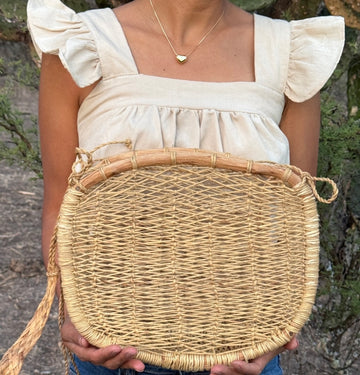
(292, 59)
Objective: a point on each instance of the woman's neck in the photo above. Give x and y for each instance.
(185, 21)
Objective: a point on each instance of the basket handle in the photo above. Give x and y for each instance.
(306, 177)
(335, 191)
(84, 165)
(13, 359)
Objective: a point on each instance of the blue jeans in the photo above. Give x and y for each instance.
(86, 368)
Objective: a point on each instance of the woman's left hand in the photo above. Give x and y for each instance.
(254, 366)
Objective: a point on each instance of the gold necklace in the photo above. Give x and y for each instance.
(183, 58)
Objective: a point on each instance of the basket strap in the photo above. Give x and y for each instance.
(13, 359)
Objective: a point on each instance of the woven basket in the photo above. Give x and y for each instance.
(194, 258)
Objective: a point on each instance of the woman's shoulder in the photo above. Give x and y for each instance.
(58, 30)
(306, 51)
(316, 45)
(87, 43)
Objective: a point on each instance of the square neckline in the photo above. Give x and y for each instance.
(125, 44)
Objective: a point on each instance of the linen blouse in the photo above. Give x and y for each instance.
(293, 59)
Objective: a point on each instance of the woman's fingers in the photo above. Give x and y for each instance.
(238, 368)
(292, 344)
(112, 357)
(125, 359)
(255, 366)
(70, 335)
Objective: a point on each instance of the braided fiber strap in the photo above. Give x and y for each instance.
(13, 359)
(193, 257)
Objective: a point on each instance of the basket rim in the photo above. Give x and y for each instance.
(126, 161)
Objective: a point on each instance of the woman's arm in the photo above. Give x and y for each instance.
(59, 103)
(58, 106)
(301, 124)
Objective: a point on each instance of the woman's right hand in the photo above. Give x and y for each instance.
(112, 357)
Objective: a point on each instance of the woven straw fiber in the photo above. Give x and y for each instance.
(193, 265)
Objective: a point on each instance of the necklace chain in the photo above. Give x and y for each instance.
(183, 58)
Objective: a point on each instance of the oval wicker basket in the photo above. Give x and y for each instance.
(193, 257)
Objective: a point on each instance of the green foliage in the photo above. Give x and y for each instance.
(77, 5)
(338, 305)
(14, 9)
(110, 3)
(353, 91)
(13, 19)
(251, 5)
(104, 3)
(339, 140)
(2, 66)
(19, 145)
(25, 72)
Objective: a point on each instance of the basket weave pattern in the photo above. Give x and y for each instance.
(191, 265)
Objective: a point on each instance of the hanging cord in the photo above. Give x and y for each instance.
(84, 162)
(13, 359)
(67, 355)
(311, 181)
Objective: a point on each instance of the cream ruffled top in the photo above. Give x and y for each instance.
(291, 58)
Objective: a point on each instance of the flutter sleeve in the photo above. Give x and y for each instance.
(316, 46)
(57, 29)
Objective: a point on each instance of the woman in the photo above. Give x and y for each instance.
(190, 73)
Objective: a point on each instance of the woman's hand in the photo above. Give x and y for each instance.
(253, 367)
(111, 357)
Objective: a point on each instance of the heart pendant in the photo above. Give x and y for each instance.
(181, 59)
